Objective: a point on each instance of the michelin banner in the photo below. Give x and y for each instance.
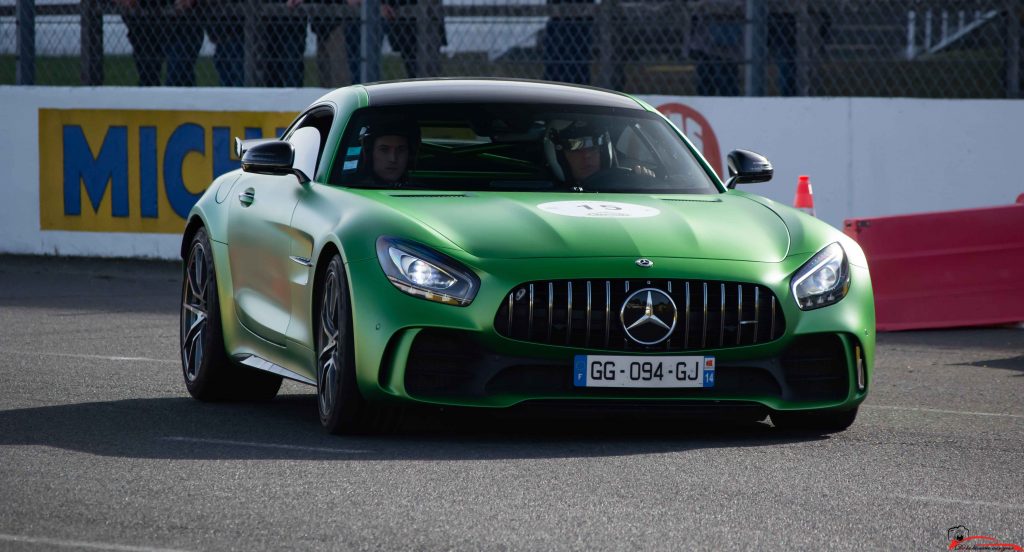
(128, 170)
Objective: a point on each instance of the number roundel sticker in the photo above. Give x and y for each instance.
(598, 209)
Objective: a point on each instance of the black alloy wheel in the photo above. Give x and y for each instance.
(340, 404)
(208, 371)
(338, 399)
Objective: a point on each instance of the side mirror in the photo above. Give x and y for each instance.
(272, 157)
(747, 167)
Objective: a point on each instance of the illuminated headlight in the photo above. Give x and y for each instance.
(823, 280)
(422, 272)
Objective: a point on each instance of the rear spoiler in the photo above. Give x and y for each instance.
(241, 146)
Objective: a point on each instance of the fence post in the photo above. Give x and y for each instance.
(91, 25)
(804, 49)
(606, 69)
(1013, 20)
(250, 36)
(26, 48)
(429, 26)
(370, 42)
(754, 43)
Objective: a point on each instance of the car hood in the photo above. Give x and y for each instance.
(537, 225)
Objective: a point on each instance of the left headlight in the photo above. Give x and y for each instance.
(823, 280)
(422, 272)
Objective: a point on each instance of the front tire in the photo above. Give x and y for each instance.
(208, 371)
(342, 408)
(338, 400)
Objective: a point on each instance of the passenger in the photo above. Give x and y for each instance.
(388, 152)
(586, 150)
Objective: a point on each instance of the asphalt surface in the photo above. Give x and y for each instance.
(101, 448)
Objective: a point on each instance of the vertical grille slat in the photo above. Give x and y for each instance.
(551, 308)
(668, 342)
(525, 315)
(529, 331)
(686, 330)
(739, 313)
(704, 329)
(721, 319)
(568, 317)
(511, 308)
(757, 313)
(607, 313)
(586, 340)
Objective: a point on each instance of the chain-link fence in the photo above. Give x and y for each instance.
(922, 48)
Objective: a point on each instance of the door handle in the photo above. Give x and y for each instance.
(247, 197)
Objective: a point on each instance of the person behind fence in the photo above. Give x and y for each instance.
(327, 31)
(281, 45)
(333, 54)
(567, 46)
(163, 31)
(388, 152)
(398, 18)
(225, 26)
(716, 45)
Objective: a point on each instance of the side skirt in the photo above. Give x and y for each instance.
(253, 361)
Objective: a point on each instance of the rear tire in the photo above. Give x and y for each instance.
(208, 371)
(820, 420)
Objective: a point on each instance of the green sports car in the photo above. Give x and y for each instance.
(495, 243)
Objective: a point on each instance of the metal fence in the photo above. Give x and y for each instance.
(919, 48)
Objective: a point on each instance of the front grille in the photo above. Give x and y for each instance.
(585, 313)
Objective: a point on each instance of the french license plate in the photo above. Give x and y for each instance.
(649, 372)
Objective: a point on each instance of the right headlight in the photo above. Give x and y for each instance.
(425, 273)
(823, 280)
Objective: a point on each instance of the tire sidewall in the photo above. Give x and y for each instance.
(348, 402)
(214, 356)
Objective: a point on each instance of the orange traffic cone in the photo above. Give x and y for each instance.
(804, 199)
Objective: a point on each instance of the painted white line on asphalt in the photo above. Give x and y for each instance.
(99, 357)
(263, 445)
(939, 411)
(82, 544)
(964, 502)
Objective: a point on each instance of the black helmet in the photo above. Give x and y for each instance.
(577, 136)
(393, 127)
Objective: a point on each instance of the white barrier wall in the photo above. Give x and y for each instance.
(141, 155)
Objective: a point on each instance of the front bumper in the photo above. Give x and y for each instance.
(409, 349)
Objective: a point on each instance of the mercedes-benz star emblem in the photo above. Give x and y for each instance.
(648, 316)
(645, 263)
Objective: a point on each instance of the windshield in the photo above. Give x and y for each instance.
(531, 147)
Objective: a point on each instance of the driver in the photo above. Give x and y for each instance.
(388, 152)
(586, 150)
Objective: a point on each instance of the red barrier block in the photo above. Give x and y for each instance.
(947, 269)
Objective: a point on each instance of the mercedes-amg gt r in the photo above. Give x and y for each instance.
(492, 243)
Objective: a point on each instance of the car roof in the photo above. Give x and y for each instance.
(426, 91)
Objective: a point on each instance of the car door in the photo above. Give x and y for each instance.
(260, 236)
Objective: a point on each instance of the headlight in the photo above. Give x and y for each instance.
(823, 280)
(425, 273)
